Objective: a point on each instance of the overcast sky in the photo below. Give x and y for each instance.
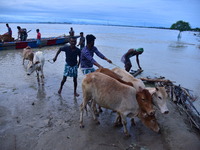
(157, 13)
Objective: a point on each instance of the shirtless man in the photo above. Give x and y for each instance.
(126, 58)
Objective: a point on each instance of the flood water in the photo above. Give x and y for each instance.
(163, 55)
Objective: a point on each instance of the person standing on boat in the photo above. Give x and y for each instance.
(71, 66)
(126, 58)
(9, 31)
(38, 38)
(87, 53)
(81, 41)
(22, 34)
(71, 32)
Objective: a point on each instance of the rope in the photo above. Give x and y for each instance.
(115, 65)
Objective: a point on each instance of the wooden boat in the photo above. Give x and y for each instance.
(32, 43)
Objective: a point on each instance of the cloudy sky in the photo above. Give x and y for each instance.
(156, 13)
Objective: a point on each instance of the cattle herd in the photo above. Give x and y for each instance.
(119, 91)
(116, 90)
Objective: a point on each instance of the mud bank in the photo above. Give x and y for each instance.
(35, 117)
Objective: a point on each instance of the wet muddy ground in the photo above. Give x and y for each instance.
(35, 117)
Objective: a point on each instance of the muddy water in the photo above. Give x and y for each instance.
(34, 116)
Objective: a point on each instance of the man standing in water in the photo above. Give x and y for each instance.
(87, 53)
(126, 58)
(71, 66)
(71, 32)
(81, 41)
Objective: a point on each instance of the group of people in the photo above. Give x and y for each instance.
(84, 57)
(23, 34)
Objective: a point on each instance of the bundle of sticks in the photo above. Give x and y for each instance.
(181, 96)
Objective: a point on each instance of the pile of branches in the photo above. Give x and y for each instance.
(181, 96)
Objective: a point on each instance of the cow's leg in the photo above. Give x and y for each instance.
(37, 73)
(42, 76)
(118, 121)
(133, 122)
(86, 99)
(81, 115)
(124, 122)
(42, 73)
(92, 109)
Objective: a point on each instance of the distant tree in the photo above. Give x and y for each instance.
(181, 26)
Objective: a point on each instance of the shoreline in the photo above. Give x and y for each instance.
(69, 23)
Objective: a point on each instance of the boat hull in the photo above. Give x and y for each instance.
(33, 43)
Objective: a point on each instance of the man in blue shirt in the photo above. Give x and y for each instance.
(71, 66)
(87, 53)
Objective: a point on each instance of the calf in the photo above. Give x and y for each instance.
(109, 93)
(28, 54)
(159, 94)
(38, 63)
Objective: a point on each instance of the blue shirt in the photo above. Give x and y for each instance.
(87, 59)
(71, 55)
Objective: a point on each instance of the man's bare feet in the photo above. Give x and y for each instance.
(76, 94)
(59, 91)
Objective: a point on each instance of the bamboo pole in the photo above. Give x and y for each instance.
(156, 80)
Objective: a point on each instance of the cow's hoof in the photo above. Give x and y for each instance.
(132, 122)
(127, 135)
(82, 126)
(118, 124)
(97, 123)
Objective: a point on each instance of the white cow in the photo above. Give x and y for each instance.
(38, 63)
(109, 93)
(159, 94)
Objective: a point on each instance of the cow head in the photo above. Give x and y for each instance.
(149, 121)
(160, 99)
(144, 99)
(32, 67)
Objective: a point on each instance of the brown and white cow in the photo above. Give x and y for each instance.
(27, 55)
(109, 93)
(159, 94)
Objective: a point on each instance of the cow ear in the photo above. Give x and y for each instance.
(140, 89)
(37, 62)
(157, 89)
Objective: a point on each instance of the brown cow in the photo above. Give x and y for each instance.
(6, 38)
(28, 55)
(111, 94)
